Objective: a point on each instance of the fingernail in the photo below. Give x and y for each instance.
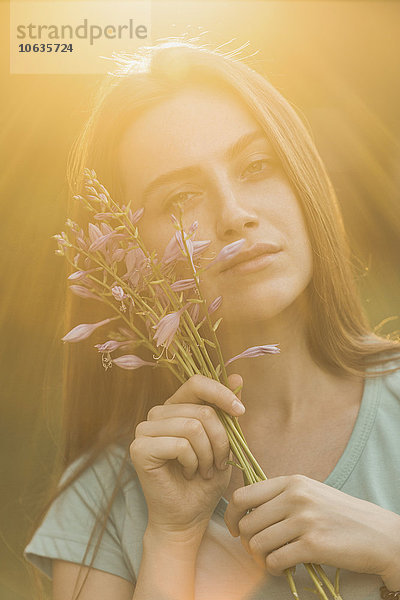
(238, 407)
(210, 473)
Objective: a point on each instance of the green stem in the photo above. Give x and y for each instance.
(206, 313)
(316, 581)
(292, 585)
(325, 579)
(251, 469)
(239, 435)
(137, 331)
(337, 581)
(237, 451)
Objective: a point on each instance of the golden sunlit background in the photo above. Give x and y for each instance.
(336, 61)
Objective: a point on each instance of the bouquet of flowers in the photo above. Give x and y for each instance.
(158, 311)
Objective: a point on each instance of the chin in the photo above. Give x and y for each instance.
(267, 305)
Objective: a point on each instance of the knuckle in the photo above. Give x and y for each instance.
(297, 480)
(298, 488)
(182, 444)
(195, 382)
(310, 541)
(139, 431)
(272, 564)
(193, 427)
(305, 519)
(222, 441)
(153, 413)
(239, 497)
(206, 412)
(136, 449)
(243, 526)
(255, 546)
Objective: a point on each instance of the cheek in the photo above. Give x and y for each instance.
(155, 235)
(294, 227)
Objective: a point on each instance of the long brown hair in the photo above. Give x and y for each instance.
(102, 408)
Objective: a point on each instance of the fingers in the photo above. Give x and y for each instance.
(235, 382)
(186, 417)
(250, 497)
(262, 517)
(199, 389)
(146, 455)
(288, 556)
(268, 541)
(185, 428)
(207, 416)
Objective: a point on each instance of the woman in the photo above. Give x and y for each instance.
(184, 123)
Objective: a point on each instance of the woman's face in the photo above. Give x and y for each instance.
(210, 153)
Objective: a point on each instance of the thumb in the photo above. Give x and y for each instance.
(235, 383)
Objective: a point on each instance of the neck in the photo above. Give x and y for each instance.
(290, 386)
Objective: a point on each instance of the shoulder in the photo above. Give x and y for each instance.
(383, 394)
(85, 521)
(391, 376)
(391, 383)
(112, 469)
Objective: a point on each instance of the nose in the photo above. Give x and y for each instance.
(234, 215)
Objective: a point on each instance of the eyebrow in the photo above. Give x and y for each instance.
(230, 154)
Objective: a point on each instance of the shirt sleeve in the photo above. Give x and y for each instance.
(67, 527)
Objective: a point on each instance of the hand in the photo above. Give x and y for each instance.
(180, 456)
(295, 519)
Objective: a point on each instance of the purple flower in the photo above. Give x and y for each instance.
(118, 255)
(182, 238)
(61, 240)
(167, 327)
(72, 225)
(174, 220)
(105, 215)
(77, 275)
(194, 312)
(255, 351)
(94, 232)
(227, 252)
(100, 242)
(215, 304)
(183, 284)
(106, 228)
(81, 240)
(130, 361)
(83, 331)
(81, 274)
(200, 246)
(111, 345)
(173, 250)
(83, 292)
(118, 293)
(136, 216)
(135, 261)
(193, 228)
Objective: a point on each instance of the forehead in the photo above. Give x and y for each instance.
(196, 124)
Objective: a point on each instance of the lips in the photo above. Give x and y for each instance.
(259, 249)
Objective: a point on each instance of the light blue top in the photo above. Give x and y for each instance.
(369, 468)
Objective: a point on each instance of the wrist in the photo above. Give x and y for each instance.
(391, 575)
(184, 542)
(168, 564)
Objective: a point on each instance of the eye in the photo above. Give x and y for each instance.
(181, 197)
(256, 166)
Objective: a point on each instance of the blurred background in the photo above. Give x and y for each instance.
(337, 62)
